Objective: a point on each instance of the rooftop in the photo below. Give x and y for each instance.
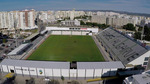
(40, 64)
(142, 78)
(18, 49)
(99, 65)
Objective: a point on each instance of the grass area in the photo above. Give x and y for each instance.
(32, 30)
(68, 48)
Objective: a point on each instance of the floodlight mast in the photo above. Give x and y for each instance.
(15, 27)
(40, 23)
(142, 34)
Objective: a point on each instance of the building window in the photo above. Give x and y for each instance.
(146, 58)
(145, 63)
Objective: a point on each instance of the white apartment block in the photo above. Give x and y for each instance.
(113, 21)
(24, 19)
(71, 23)
(21, 20)
(71, 14)
(107, 13)
(99, 19)
(10, 20)
(27, 19)
(3, 20)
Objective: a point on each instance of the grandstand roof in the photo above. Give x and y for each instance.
(39, 64)
(18, 49)
(99, 65)
(32, 36)
(42, 32)
(120, 46)
(142, 78)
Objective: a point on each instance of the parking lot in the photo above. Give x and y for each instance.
(7, 47)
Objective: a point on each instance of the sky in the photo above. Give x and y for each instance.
(135, 6)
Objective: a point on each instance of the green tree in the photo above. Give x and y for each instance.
(82, 23)
(147, 33)
(137, 35)
(140, 29)
(4, 40)
(129, 26)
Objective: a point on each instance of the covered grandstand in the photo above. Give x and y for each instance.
(31, 38)
(19, 49)
(57, 69)
(72, 30)
(123, 48)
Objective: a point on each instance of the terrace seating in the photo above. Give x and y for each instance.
(120, 46)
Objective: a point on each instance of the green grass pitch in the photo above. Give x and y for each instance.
(68, 48)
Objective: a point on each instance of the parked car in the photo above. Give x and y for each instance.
(3, 45)
(6, 51)
(11, 48)
(1, 58)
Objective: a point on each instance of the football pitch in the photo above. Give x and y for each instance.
(67, 48)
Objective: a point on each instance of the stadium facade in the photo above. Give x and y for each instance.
(72, 30)
(57, 69)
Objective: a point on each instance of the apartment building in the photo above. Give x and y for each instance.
(112, 20)
(99, 19)
(71, 23)
(23, 19)
(27, 19)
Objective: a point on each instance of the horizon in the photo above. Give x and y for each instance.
(114, 5)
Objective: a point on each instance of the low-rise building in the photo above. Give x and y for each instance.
(71, 23)
(138, 79)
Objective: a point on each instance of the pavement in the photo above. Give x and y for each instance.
(19, 79)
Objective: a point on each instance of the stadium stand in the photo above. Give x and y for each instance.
(57, 69)
(31, 38)
(19, 49)
(120, 46)
(43, 32)
(69, 32)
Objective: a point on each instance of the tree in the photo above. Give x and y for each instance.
(4, 40)
(129, 26)
(140, 29)
(147, 33)
(82, 23)
(137, 35)
(146, 30)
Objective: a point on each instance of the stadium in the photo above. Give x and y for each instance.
(77, 53)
